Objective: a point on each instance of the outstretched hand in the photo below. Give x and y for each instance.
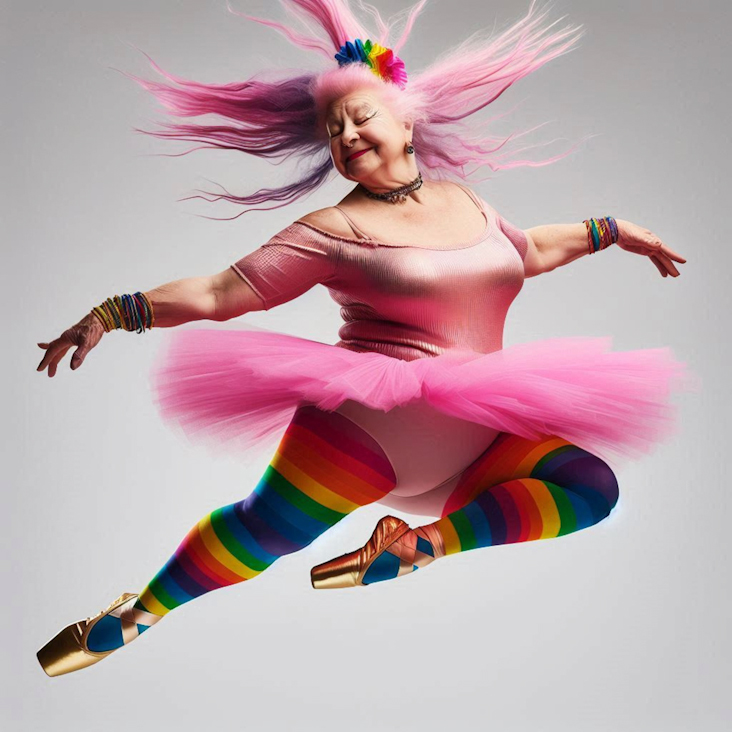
(85, 335)
(637, 239)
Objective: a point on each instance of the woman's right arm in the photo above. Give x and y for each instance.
(283, 268)
(288, 265)
(219, 297)
(174, 303)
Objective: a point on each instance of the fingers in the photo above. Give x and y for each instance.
(50, 350)
(660, 254)
(53, 365)
(659, 266)
(661, 248)
(672, 254)
(55, 351)
(639, 240)
(664, 265)
(664, 253)
(84, 335)
(78, 358)
(667, 263)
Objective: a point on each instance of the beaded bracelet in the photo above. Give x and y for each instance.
(601, 233)
(129, 312)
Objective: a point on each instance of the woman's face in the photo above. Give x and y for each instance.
(377, 154)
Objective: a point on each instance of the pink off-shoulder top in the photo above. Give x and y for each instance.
(404, 301)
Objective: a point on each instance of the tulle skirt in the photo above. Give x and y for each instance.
(235, 390)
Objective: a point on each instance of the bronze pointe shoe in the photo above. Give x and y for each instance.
(68, 651)
(349, 570)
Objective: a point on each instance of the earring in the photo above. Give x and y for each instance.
(410, 148)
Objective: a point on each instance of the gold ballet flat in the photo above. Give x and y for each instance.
(349, 569)
(68, 651)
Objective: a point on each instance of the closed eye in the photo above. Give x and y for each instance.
(366, 119)
(357, 122)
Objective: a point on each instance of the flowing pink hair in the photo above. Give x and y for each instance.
(278, 114)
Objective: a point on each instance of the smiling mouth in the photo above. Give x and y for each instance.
(358, 154)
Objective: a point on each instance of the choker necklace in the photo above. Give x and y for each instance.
(398, 195)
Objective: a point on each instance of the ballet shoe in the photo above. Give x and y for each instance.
(389, 535)
(68, 650)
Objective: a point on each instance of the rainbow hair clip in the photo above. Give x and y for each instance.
(380, 60)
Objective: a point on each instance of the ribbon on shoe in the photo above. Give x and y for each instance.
(405, 549)
(130, 617)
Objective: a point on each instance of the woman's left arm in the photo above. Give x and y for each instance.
(554, 245)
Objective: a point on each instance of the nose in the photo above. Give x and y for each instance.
(349, 135)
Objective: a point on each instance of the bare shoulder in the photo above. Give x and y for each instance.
(455, 194)
(328, 219)
(458, 190)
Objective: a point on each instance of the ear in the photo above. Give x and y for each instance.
(409, 126)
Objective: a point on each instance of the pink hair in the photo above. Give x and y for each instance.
(278, 114)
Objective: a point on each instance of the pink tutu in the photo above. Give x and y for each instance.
(237, 389)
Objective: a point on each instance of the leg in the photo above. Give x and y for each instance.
(517, 490)
(325, 467)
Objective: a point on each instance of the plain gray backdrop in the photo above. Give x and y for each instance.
(622, 626)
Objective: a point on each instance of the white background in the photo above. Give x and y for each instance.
(623, 626)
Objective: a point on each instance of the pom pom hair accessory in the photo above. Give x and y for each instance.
(380, 60)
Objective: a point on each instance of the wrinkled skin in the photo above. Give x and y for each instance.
(639, 240)
(84, 335)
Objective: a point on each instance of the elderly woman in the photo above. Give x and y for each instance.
(418, 406)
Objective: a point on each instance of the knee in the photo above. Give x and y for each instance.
(588, 476)
(599, 486)
(605, 482)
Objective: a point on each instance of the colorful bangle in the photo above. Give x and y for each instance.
(601, 233)
(128, 312)
(103, 318)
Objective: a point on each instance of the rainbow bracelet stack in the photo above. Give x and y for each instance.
(129, 312)
(601, 233)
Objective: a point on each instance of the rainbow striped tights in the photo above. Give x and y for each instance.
(517, 490)
(326, 466)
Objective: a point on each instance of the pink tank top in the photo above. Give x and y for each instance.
(405, 301)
